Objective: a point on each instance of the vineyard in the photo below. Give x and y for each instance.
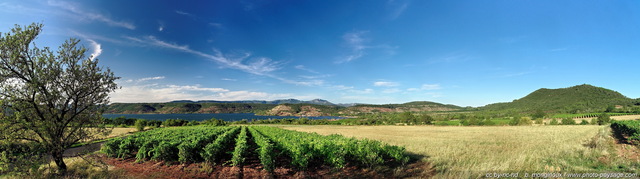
(627, 129)
(588, 115)
(232, 145)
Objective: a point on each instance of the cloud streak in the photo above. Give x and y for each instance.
(358, 44)
(260, 66)
(303, 68)
(426, 87)
(385, 83)
(150, 78)
(397, 8)
(97, 49)
(81, 14)
(355, 41)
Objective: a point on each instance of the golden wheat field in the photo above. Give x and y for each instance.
(470, 152)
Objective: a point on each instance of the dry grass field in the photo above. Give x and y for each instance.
(470, 152)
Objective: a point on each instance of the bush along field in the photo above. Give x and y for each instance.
(274, 148)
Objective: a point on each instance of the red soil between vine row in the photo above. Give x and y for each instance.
(253, 169)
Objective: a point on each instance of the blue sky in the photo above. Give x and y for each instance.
(467, 53)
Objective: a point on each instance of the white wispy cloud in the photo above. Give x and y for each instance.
(261, 66)
(216, 25)
(165, 93)
(392, 90)
(426, 87)
(79, 13)
(385, 83)
(186, 14)
(96, 47)
(364, 91)
(559, 49)
(150, 78)
(160, 26)
(397, 8)
(96, 37)
(451, 58)
(516, 74)
(315, 76)
(358, 43)
(229, 79)
(431, 87)
(303, 68)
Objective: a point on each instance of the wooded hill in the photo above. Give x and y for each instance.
(576, 99)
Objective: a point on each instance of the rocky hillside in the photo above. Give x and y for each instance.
(288, 110)
(172, 108)
(416, 106)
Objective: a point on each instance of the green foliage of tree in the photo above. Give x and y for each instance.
(140, 124)
(584, 122)
(54, 99)
(610, 108)
(426, 119)
(407, 117)
(603, 119)
(539, 114)
(18, 158)
(568, 121)
(175, 122)
(214, 122)
(520, 121)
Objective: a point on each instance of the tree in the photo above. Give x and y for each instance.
(568, 121)
(539, 114)
(407, 117)
(140, 124)
(584, 122)
(426, 119)
(52, 99)
(604, 119)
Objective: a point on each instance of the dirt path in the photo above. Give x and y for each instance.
(85, 149)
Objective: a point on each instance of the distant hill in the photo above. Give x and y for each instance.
(288, 107)
(416, 106)
(576, 99)
(185, 107)
(280, 101)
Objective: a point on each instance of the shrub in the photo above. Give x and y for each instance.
(175, 122)
(140, 124)
(568, 121)
(554, 122)
(519, 121)
(214, 122)
(604, 119)
(584, 122)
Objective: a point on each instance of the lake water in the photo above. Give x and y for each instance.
(201, 117)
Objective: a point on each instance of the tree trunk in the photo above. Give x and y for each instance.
(58, 158)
